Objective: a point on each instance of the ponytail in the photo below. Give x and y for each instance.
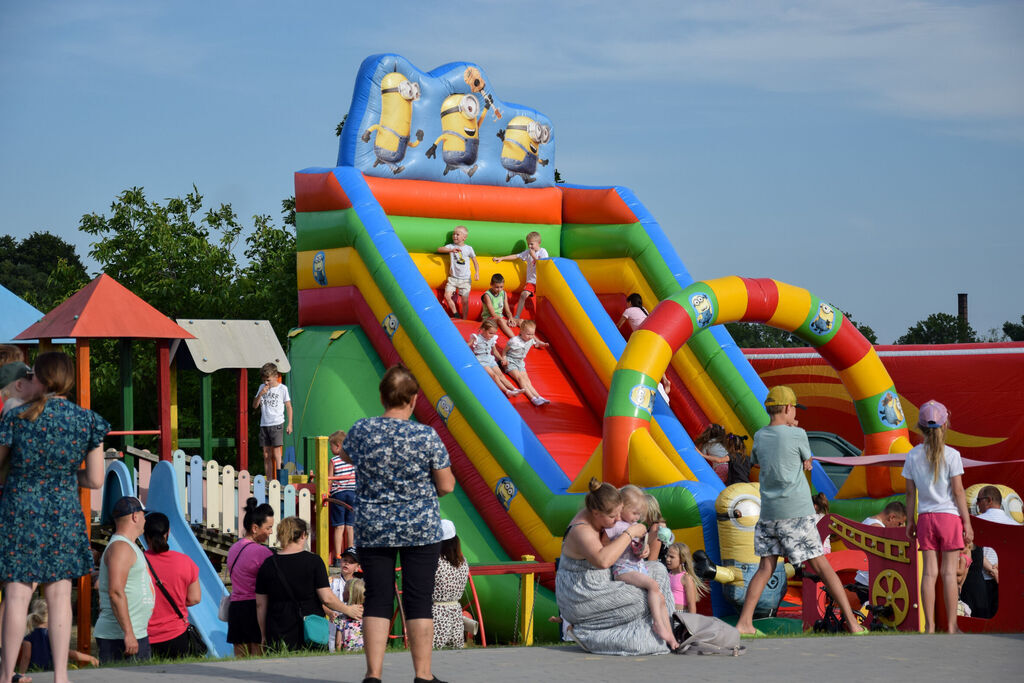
(935, 448)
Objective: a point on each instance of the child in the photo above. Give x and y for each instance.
(533, 253)
(342, 498)
(635, 315)
(739, 463)
(35, 649)
(495, 305)
(458, 270)
(630, 567)
(515, 359)
(15, 385)
(894, 515)
(659, 536)
(484, 346)
(787, 525)
(346, 632)
(935, 491)
(820, 503)
(273, 401)
(711, 444)
(686, 588)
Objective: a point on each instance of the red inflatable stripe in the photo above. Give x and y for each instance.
(846, 348)
(319, 192)
(670, 321)
(427, 199)
(595, 207)
(762, 299)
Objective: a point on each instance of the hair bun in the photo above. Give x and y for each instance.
(594, 484)
(251, 504)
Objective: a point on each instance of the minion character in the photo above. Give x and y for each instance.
(475, 80)
(889, 409)
(702, 307)
(320, 268)
(444, 407)
(390, 324)
(397, 93)
(738, 508)
(825, 319)
(522, 139)
(460, 138)
(505, 490)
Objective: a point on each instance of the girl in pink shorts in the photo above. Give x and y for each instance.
(942, 525)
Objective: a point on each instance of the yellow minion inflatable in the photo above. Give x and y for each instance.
(397, 93)
(522, 139)
(460, 139)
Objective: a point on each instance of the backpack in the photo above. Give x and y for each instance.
(698, 634)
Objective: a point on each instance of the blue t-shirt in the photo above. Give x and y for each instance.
(41, 657)
(781, 450)
(396, 502)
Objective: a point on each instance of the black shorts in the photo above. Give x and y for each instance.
(272, 435)
(243, 627)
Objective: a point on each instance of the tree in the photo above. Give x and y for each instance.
(42, 269)
(865, 330)
(939, 328)
(758, 336)
(1014, 331)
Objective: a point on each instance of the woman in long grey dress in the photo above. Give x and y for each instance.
(608, 617)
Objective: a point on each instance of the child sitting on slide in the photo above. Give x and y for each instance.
(484, 343)
(515, 359)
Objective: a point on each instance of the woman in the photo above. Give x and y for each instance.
(46, 440)
(293, 577)
(607, 617)
(401, 469)
(179, 576)
(244, 561)
(449, 585)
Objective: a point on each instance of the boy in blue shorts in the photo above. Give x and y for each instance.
(342, 498)
(787, 526)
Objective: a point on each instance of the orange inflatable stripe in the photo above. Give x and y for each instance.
(319, 192)
(425, 199)
(595, 207)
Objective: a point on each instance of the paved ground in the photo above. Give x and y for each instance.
(840, 658)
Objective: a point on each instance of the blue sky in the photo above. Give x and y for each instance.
(868, 150)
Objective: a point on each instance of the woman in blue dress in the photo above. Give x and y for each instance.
(44, 538)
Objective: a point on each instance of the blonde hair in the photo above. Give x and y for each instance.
(653, 511)
(355, 589)
(37, 615)
(532, 236)
(291, 529)
(9, 353)
(528, 325)
(686, 560)
(489, 324)
(337, 438)
(634, 495)
(935, 447)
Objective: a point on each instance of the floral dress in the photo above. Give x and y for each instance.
(449, 585)
(44, 537)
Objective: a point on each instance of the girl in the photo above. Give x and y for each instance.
(711, 444)
(686, 589)
(820, 510)
(35, 649)
(659, 536)
(484, 345)
(347, 632)
(636, 314)
(449, 585)
(515, 357)
(630, 567)
(739, 463)
(942, 526)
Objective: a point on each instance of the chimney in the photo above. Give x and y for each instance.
(961, 306)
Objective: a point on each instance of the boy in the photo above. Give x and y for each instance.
(894, 515)
(515, 359)
(533, 252)
(787, 523)
(273, 401)
(15, 379)
(495, 305)
(342, 499)
(458, 272)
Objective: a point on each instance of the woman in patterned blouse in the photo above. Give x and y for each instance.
(401, 468)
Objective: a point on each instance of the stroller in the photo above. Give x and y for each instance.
(870, 616)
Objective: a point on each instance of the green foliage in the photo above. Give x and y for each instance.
(758, 336)
(1014, 331)
(558, 177)
(865, 330)
(939, 328)
(42, 269)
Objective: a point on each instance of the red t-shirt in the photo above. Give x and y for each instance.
(176, 571)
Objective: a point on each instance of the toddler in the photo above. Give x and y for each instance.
(533, 253)
(515, 359)
(484, 344)
(687, 589)
(35, 649)
(458, 271)
(495, 305)
(346, 633)
(630, 567)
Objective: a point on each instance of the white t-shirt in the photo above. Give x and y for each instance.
(272, 405)
(998, 516)
(933, 495)
(516, 348)
(862, 576)
(531, 263)
(460, 258)
(634, 316)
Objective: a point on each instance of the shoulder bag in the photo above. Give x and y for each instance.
(223, 610)
(196, 644)
(315, 627)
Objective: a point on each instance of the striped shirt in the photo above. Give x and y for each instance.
(340, 468)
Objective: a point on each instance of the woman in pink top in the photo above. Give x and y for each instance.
(244, 560)
(179, 576)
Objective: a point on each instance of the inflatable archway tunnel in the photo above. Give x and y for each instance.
(679, 317)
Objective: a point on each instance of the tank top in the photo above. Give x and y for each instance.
(138, 591)
(497, 303)
(678, 589)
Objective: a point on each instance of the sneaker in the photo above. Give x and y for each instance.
(539, 401)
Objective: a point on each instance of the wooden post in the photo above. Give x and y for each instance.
(206, 416)
(174, 403)
(84, 582)
(526, 602)
(323, 487)
(243, 419)
(163, 393)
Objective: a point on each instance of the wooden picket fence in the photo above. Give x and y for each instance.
(214, 496)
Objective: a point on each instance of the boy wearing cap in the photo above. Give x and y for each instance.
(125, 588)
(787, 526)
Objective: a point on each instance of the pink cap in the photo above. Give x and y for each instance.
(933, 414)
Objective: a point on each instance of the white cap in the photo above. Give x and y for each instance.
(447, 529)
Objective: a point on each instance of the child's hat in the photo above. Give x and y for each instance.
(933, 414)
(782, 396)
(351, 552)
(447, 529)
(12, 372)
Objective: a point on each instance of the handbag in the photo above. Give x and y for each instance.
(196, 644)
(315, 627)
(223, 609)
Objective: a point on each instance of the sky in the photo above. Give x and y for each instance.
(870, 151)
